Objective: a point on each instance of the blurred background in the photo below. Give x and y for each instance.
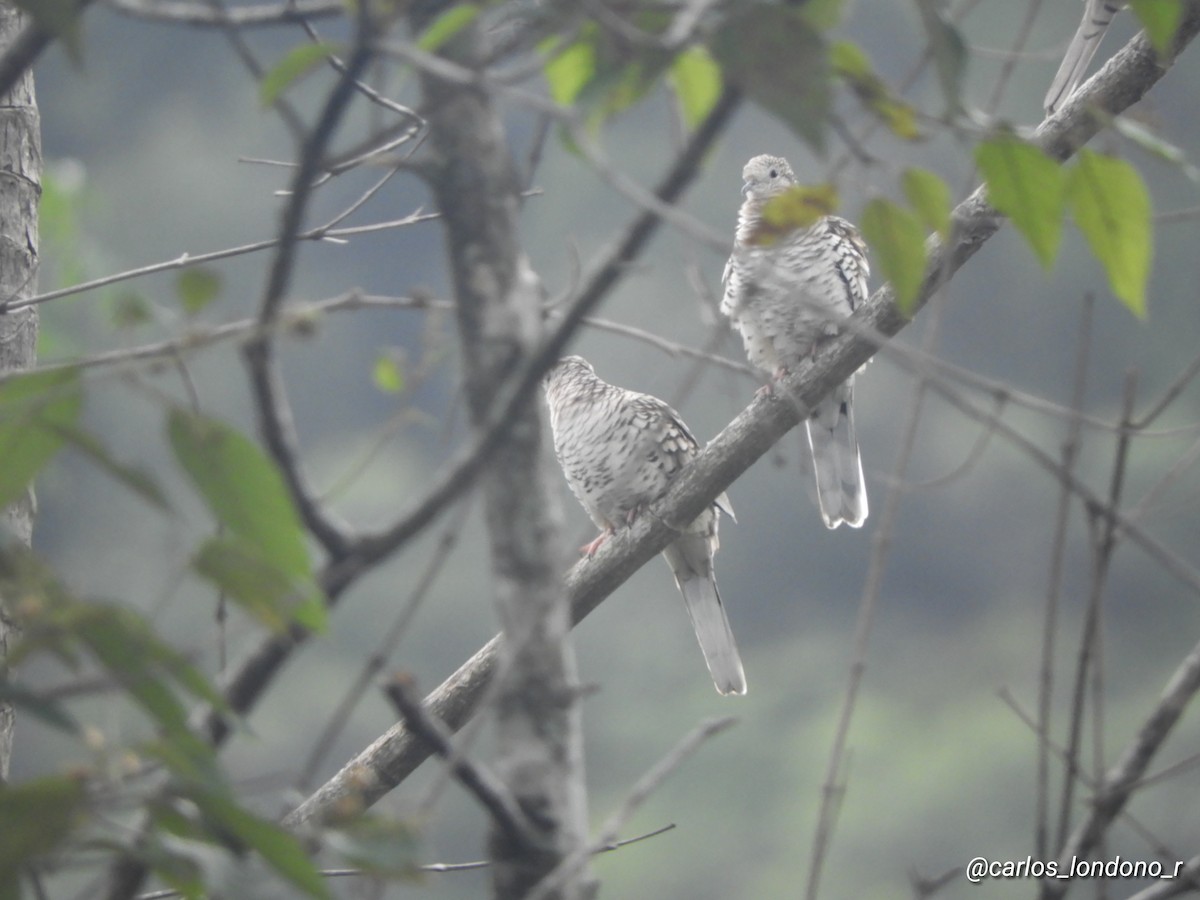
(145, 142)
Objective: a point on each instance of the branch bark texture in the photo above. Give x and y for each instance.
(1123, 81)
(20, 187)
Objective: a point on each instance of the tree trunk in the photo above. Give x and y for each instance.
(539, 732)
(20, 188)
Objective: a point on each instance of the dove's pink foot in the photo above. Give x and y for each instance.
(589, 549)
(769, 388)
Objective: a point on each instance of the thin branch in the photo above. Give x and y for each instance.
(486, 787)
(1121, 780)
(641, 791)
(1102, 550)
(376, 662)
(184, 260)
(266, 382)
(1070, 452)
(202, 14)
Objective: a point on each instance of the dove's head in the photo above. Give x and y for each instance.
(568, 370)
(765, 176)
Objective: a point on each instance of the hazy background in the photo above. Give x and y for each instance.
(150, 130)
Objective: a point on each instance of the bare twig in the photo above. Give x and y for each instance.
(1088, 649)
(203, 14)
(641, 791)
(1070, 452)
(486, 787)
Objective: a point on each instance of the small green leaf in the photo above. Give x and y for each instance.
(387, 375)
(130, 309)
(1027, 186)
(36, 409)
(296, 62)
(268, 594)
(447, 25)
(930, 197)
(898, 242)
(1112, 209)
(823, 15)
(853, 67)
(781, 61)
(949, 51)
(796, 208)
(569, 69)
(697, 82)
(197, 288)
(242, 487)
(36, 817)
(278, 847)
(1161, 20)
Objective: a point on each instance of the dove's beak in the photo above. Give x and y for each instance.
(745, 188)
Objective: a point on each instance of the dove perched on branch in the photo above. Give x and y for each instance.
(620, 451)
(1097, 16)
(783, 294)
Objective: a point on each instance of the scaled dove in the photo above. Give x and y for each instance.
(620, 451)
(783, 295)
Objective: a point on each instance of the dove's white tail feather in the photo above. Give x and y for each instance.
(841, 490)
(691, 563)
(1097, 16)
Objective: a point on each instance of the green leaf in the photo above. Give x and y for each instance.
(197, 288)
(36, 409)
(268, 594)
(852, 66)
(242, 487)
(130, 309)
(447, 25)
(949, 51)
(697, 82)
(1027, 186)
(898, 242)
(781, 61)
(278, 848)
(569, 69)
(796, 208)
(387, 375)
(1112, 209)
(930, 197)
(1161, 20)
(36, 817)
(295, 63)
(823, 15)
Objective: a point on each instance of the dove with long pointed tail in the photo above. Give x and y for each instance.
(1097, 16)
(784, 292)
(620, 450)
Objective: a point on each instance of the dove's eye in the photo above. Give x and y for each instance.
(773, 174)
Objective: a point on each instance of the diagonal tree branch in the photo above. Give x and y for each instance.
(1123, 81)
